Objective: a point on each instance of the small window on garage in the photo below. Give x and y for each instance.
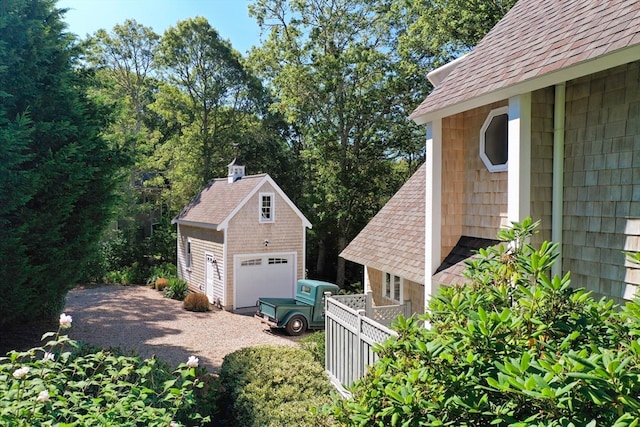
(187, 254)
(278, 260)
(266, 207)
(251, 262)
(494, 140)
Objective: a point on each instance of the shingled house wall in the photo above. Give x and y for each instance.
(202, 241)
(542, 102)
(602, 177)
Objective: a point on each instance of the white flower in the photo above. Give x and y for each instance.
(20, 372)
(48, 356)
(193, 362)
(174, 424)
(43, 396)
(65, 321)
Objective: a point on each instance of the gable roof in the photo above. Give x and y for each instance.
(393, 241)
(539, 43)
(220, 200)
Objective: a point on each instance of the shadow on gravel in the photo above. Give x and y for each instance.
(138, 320)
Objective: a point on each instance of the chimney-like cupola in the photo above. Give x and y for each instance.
(236, 171)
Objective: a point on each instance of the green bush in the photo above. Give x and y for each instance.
(165, 270)
(176, 289)
(62, 383)
(512, 347)
(273, 386)
(315, 344)
(196, 302)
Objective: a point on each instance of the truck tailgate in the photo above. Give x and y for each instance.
(267, 306)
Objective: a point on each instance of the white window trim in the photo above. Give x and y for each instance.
(272, 207)
(390, 292)
(487, 162)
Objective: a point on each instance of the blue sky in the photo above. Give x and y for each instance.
(229, 17)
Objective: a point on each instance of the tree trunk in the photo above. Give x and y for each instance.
(340, 273)
(322, 258)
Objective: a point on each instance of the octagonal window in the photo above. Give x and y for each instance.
(494, 140)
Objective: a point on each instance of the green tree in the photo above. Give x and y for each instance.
(210, 97)
(330, 66)
(512, 347)
(59, 171)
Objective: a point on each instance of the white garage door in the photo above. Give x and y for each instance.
(263, 276)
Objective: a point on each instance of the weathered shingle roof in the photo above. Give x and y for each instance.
(218, 199)
(393, 241)
(536, 38)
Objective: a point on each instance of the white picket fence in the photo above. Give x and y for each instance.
(352, 327)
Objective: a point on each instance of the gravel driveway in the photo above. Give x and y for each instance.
(139, 318)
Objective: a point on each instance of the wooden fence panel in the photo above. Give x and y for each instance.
(349, 338)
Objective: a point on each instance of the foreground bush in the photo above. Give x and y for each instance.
(273, 386)
(176, 289)
(315, 344)
(196, 302)
(60, 384)
(512, 347)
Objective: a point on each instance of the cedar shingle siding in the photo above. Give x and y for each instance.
(602, 176)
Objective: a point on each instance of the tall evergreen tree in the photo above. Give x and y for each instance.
(58, 173)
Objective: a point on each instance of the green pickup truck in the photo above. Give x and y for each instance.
(297, 314)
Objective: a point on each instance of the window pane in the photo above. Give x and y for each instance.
(496, 146)
(387, 285)
(266, 207)
(396, 288)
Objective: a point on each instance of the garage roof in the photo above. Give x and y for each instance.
(219, 201)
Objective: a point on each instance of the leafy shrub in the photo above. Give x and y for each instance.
(512, 347)
(165, 270)
(120, 277)
(315, 344)
(62, 383)
(196, 302)
(176, 289)
(273, 386)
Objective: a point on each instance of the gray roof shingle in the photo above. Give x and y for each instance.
(218, 199)
(538, 37)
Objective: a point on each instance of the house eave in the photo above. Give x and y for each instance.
(216, 227)
(604, 62)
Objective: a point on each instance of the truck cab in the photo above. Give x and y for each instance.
(297, 314)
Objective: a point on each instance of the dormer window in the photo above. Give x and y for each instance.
(266, 207)
(494, 140)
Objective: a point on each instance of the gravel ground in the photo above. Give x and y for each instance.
(139, 318)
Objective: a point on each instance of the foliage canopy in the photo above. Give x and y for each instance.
(58, 173)
(512, 347)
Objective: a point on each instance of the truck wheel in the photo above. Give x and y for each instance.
(296, 325)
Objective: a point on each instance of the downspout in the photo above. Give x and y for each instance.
(558, 173)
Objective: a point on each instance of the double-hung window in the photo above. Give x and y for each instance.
(267, 207)
(392, 287)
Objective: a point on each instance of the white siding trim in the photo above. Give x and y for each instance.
(433, 210)
(519, 172)
(266, 179)
(604, 62)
